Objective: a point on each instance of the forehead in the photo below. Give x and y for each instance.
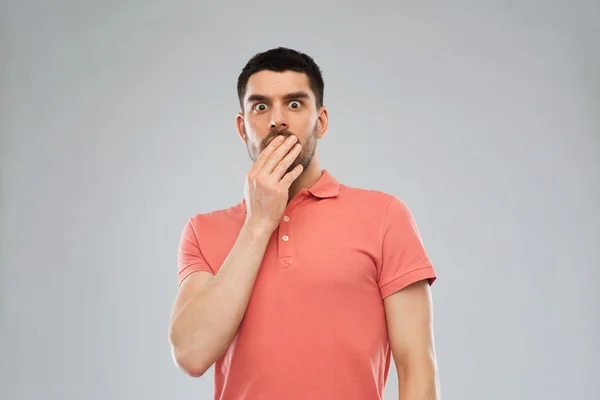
(277, 84)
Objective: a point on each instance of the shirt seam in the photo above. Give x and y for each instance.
(198, 244)
(387, 211)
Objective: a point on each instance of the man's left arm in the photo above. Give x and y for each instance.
(410, 329)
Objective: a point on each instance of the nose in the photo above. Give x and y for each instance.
(278, 120)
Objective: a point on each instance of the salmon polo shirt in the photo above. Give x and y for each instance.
(315, 326)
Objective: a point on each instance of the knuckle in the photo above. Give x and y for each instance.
(283, 163)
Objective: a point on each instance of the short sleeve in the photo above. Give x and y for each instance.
(404, 259)
(190, 257)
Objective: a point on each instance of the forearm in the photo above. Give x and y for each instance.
(418, 382)
(205, 326)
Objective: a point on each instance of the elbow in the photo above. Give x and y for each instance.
(423, 369)
(418, 379)
(195, 371)
(186, 360)
(192, 366)
(194, 356)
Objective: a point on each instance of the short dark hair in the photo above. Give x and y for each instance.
(282, 59)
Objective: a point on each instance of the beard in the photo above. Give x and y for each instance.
(304, 158)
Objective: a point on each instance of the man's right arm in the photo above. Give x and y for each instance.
(209, 309)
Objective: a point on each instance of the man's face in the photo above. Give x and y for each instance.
(280, 103)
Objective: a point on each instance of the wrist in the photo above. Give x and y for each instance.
(258, 227)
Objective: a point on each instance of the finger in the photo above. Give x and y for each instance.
(291, 176)
(284, 164)
(266, 153)
(278, 155)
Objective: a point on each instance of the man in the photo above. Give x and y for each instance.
(305, 288)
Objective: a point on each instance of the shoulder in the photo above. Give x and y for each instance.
(376, 205)
(218, 218)
(369, 197)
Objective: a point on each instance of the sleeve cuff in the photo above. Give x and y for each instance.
(403, 281)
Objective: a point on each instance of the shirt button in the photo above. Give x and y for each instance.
(285, 238)
(286, 218)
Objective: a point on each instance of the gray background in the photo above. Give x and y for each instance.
(117, 122)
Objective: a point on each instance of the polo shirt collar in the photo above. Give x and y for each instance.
(326, 186)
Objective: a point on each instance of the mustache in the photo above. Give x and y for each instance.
(273, 134)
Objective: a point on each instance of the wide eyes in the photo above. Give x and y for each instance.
(260, 107)
(294, 105)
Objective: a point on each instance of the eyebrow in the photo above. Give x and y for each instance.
(289, 96)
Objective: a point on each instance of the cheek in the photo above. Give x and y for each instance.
(254, 138)
(250, 132)
(303, 124)
(313, 123)
(256, 125)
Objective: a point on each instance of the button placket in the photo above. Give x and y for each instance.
(285, 245)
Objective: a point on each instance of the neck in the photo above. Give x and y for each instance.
(307, 178)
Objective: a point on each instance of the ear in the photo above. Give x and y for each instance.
(323, 120)
(239, 124)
